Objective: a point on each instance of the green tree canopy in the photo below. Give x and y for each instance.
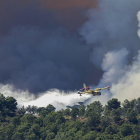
(132, 116)
(50, 108)
(66, 112)
(82, 110)
(11, 103)
(94, 107)
(113, 104)
(74, 113)
(126, 130)
(112, 129)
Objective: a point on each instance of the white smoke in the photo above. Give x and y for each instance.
(128, 85)
(113, 31)
(114, 66)
(21, 96)
(112, 26)
(138, 16)
(123, 78)
(58, 98)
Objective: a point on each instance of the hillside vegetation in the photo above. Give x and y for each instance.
(114, 121)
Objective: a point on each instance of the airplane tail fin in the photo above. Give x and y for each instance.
(85, 86)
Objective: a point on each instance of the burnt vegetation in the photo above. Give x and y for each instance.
(114, 121)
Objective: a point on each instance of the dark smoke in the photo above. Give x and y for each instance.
(37, 53)
(40, 49)
(37, 60)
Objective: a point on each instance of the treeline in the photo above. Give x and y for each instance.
(114, 121)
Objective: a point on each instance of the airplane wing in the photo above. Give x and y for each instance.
(85, 92)
(105, 88)
(97, 89)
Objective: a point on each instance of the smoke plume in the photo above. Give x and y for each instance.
(60, 99)
(112, 26)
(113, 30)
(38, 52)
(128, 84)
(41, 48)
(115, 67)
(37, 60)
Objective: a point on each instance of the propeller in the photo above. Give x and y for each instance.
(108, 87)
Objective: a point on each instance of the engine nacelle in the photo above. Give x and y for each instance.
(96, 93)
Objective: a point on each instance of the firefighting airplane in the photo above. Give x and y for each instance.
(91, 91)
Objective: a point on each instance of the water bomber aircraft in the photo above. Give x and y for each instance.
(94, 92)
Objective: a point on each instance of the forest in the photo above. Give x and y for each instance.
(114, 121)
